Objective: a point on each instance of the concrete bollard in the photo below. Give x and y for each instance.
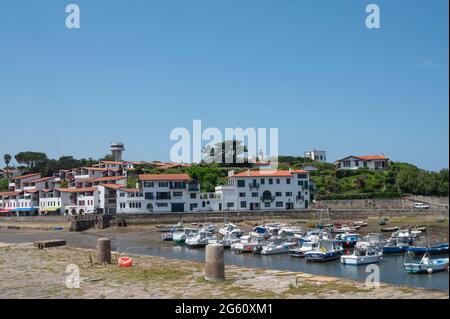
(214, 263)
(104, 250)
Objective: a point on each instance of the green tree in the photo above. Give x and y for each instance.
(32, 160)
(3, 184)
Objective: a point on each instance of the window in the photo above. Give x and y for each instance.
(279, 204)
(203, 204)
(263, 181)
(148, 195)
(243, 204)
(149, 184)
(267, 204)
(230, 204)
(346, 163)
(162, 205)
(241, 183)
(241, 194)
(193, 206)
(300, 183)
(255, 194)
(356, 163)
(288, 180)
(288, 194)
(177, 194)
(163, 184)
(302, 176)
(270, 180)
(278, 181)
(278, 194)
(193, 195)
(306, 184)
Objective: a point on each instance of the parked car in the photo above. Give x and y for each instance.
(421, 206)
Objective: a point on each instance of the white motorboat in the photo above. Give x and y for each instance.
(326, 250)
(277, 246)
(371, 240)
(226, 240)
(306, 246)
(370, 255)
(209, 227)
(246, 244)
(230, 229)
(260, 232)
(179, 237)
(199, 240)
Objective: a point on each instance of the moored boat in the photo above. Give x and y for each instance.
(427, 265)
(199, 240)
(326, 250)
(347, 240)
(371, 240)
(395, 245)
(362, 257)
(299, 251)
(179, 237)
(433, 250)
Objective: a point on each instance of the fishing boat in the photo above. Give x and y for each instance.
(277, 246)
(370, 255)
(230, 228)
(246, 244)
(179, 237)
(300, 250)
(167, 236)
(199, 240)
(326, 250)
(347, 240)
(316, 234)
(395, 245)
(371, 240)
(433, 250)
(427, 265)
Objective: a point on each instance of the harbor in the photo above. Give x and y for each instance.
(146, 241)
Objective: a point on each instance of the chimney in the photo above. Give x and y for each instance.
(248, 172)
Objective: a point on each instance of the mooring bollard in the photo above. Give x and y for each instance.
(104, 250)
(214, 263)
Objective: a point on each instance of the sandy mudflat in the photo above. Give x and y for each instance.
(27, 272)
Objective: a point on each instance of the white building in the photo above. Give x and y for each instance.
(170, 192)
(356, 162)
(265, 190)
(316, 155)
(80, 201)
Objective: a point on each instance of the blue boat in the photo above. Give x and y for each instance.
(347, 239)
(395, 245)
(434, 250)
(326, 250)
(427, 265)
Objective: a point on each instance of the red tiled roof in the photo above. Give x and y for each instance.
(164, 177)
(269, 173)
(102, 169)
(372, 157)
(27, 175)
(43, 179)
(103, 179)
(114, 186)
(77, 190)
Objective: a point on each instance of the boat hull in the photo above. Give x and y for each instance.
(360, 260)
(319, 256)
(417, 268)
(436, 250)
(394, 250)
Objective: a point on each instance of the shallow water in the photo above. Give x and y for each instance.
(138, 242)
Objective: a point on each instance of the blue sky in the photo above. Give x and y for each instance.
(138, 69)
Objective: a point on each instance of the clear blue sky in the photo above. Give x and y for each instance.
(138, 69)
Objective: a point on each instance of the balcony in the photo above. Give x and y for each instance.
(253, 185)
